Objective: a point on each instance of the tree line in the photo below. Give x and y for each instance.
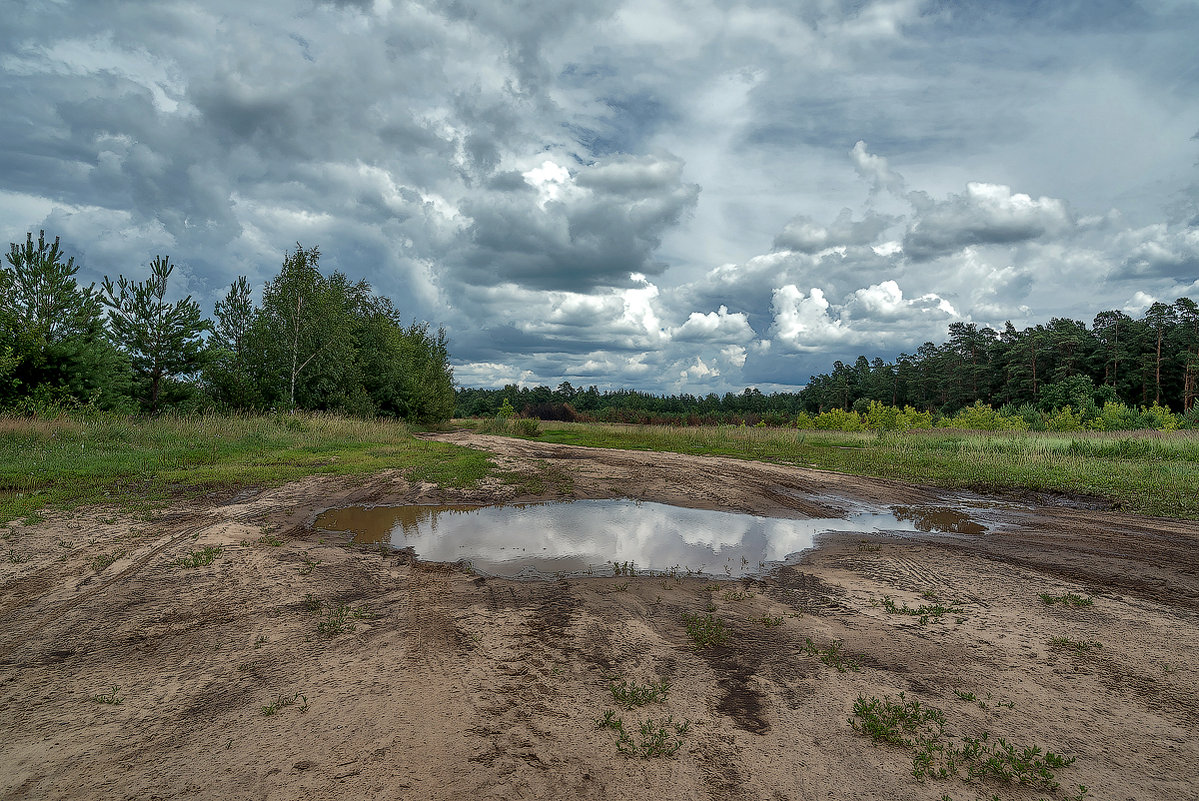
(1138, 362)
(571, 403)
(1119, 372)
(315, 343)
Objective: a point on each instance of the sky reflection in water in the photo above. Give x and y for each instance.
(578, 537)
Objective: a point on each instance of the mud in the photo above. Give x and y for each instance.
(438, 684)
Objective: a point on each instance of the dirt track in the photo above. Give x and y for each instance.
(455, 686)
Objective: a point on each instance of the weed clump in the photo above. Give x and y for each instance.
(910, 724)
(832, 656)
(101, 562)
(630, 694)
(923, 612)
(335, 618)
(653, 739)
(285, 700)
(111, 697)
(200, 558)
(705, 630)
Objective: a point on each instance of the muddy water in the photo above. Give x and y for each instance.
(589, 537)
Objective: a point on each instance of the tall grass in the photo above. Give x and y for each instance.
(67, 461)
(1142, 471)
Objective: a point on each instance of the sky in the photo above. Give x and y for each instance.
(668, 195)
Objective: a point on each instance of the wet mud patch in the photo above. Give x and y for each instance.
(740, 699)
(553, 612)
(804, 592)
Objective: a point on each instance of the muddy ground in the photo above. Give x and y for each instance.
(450, 685)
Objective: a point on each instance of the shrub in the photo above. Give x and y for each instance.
(838, 420)
(981, 417)
(527, 427)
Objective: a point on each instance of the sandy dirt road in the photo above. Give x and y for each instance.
(444, 685)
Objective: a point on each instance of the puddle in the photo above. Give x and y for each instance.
(939, 518)
(543, 540)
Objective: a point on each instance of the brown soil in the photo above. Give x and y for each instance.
(459, 686)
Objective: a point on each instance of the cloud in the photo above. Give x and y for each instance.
(806, 236)
(875, 170)
(717, 326)
(985, 214)
(885, 301)
(584, 229)
(802, 322)
(1158, 251)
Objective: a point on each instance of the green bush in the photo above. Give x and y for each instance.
(838, 420)
(981, 417)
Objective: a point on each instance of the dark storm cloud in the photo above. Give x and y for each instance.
(594, 228)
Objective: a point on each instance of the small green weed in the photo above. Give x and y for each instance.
(832, 656)
(336, 618)
(737, 595)
(269, 539)
(309, 565)
(16, 557)
(661, 738)
(769, 622)
(111, 697)
(283, 701)
(705, 630)
(624, 569)
(923, 612)
(1068, 599)
(101, 562)
(897, 723)
(200, 558)
(629, 694)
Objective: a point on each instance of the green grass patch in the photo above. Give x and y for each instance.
(141, 464)
(1140, 471)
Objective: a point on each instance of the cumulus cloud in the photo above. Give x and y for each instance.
(985, 214)
(885, 301)
(1158, 251)
(802, 322)
(717, 326)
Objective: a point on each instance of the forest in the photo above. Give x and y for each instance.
(1121, 372)
(314, 343)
